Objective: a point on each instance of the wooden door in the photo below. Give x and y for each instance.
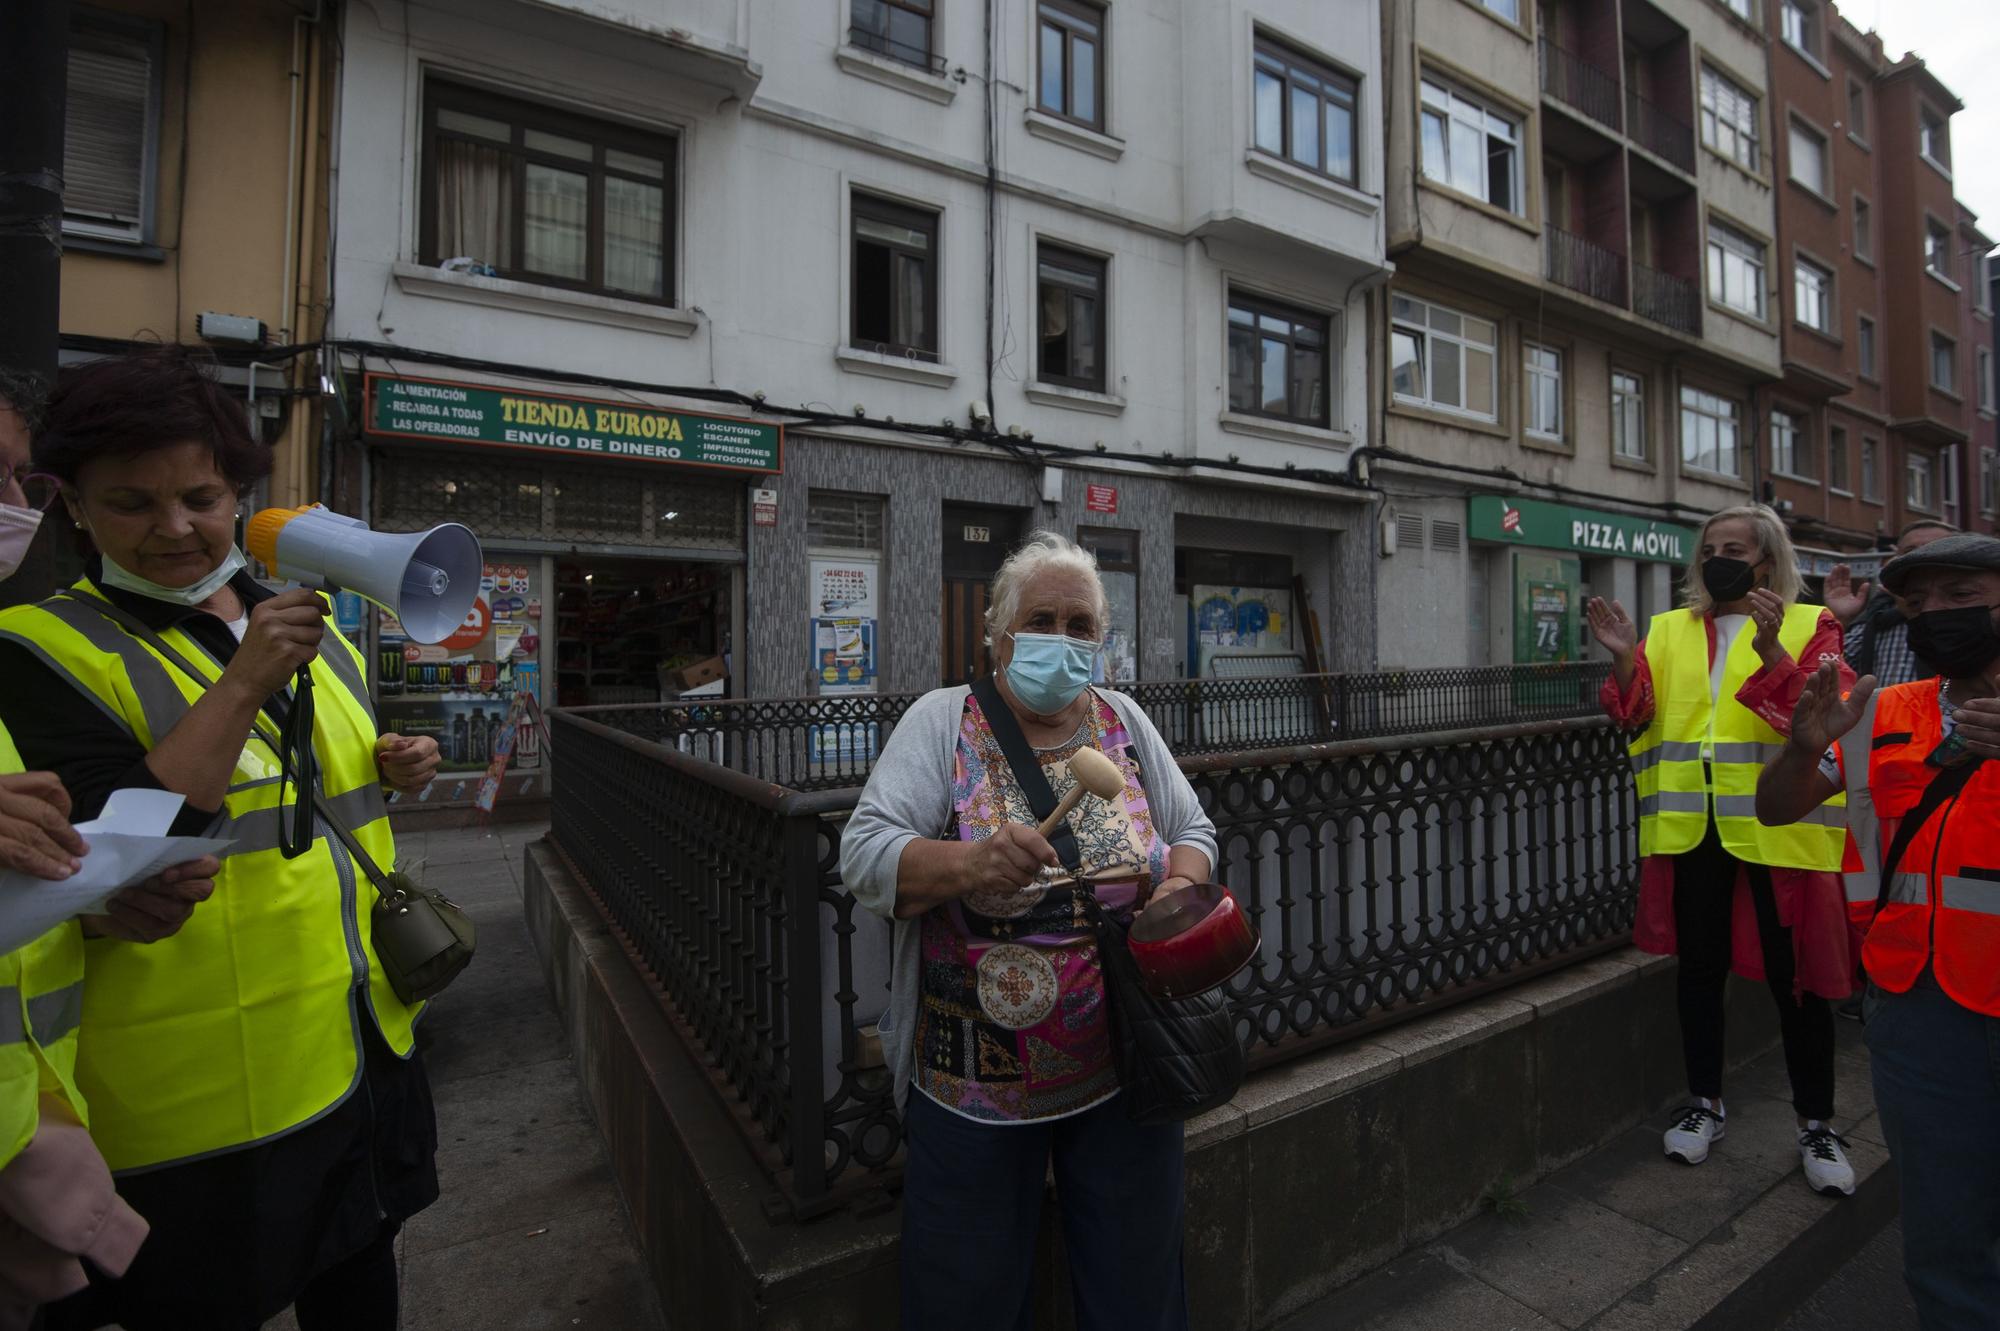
(976, 540)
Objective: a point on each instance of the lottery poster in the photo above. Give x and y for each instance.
(845, 623)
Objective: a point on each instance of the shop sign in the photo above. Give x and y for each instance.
(1546, 526)
(439, 411)
(1100, 498)
(764, 507)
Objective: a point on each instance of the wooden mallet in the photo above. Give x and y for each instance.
(1095, 775)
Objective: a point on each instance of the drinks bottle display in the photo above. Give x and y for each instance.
(460, 744)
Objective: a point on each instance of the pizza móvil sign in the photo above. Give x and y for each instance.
(445, 412)
(1512, 520)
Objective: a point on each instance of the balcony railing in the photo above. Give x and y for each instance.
(1569, 78)
(1666, 299)
(1583, 265)
(1388, 877)
(830, 743)
(1659, 131)
(882, 44)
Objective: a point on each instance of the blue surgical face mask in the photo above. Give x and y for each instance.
(1049, 670)
(192, 594)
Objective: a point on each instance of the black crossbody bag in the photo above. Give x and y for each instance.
(1175, 1057)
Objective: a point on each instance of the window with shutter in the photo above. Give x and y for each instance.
(111, 127)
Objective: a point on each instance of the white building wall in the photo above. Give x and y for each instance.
(778, 121)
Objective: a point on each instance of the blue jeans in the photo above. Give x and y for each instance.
(972, 1203)
(1937, 1086)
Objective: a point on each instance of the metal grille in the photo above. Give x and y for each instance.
(843, 521)
(505, 496)
(1410, 530)
(1445, 534)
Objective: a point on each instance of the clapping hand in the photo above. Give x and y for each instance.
(1844, 596)
(1823, 716)
(1767, 612)
(1612, 627)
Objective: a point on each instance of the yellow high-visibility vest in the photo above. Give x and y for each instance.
(1703, 752)
(246, 1024)
(41, 997)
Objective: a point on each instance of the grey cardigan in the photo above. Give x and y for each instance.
(909, 796)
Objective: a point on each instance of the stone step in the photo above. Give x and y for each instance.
(1626, 1240)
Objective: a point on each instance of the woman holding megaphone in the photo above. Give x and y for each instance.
(253, 1080)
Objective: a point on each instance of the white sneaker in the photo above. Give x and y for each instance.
(1827, 1170)
(1697, 1129)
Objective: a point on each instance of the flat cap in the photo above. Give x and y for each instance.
(1962, 550)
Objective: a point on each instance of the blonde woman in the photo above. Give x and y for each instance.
(1708, 700)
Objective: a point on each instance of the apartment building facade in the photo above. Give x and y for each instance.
(1884, 413)
(1580, 214)
(763, 334)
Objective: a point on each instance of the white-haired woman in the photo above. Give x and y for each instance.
(997, 1012)
(1709, 698)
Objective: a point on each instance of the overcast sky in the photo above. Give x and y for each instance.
(1960, 41)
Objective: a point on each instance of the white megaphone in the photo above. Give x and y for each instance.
(427, 579)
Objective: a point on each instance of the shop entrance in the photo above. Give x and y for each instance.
(640, 630)
(976, 540)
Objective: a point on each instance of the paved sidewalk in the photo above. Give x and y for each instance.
(530, 1232)
(1624, 1240)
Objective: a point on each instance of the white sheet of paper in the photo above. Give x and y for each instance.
(128, 843)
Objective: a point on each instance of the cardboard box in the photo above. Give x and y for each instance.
(696, 675)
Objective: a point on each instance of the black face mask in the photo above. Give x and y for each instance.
(1728, 579)
(1957, 642)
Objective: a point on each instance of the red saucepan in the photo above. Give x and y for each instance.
(1192, 941)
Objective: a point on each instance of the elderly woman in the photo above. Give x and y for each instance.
(252, 1081)
(997, 1013)
(1709, 699)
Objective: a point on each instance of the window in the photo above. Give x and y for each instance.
(1710, 432)
(1937, 248)
(1934, 138)
(1070, 309)
(1471, 148)
(894, 288)
(111, 128)
(1740, 8)
(1542, 370)
(1628, 416)
(1864, 345)
(1728, 118)
(1442, 359)
(1808, 158)
(543, 196)
(1836, 459)
(1305, 112)
(1920, 481)
(1278, 361)
(1735, 269)
(839, 521)
(1072, 57)
(1507, 9)
(1989, 481)
(1864, 229)
(1117, 552)
(1791, 447)
(899, 29)
(1871, 476)
(1983, 359)
(1944, 363)
(1948, 483)
(1857, 109)
(1812, 295)
(1801, 26)
(1982, 283)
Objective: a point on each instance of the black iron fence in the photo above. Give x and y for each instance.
(1570, 78)
(1387, 877)
(1583, 265)
(1666, 299)
(830, 743)
(1659, 131)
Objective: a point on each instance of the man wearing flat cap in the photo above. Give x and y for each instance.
(1921, 752)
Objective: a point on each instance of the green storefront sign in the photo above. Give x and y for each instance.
(439, 411)
(1535, 523)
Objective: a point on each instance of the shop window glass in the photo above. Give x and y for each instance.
(1117, 552)
(536, 194)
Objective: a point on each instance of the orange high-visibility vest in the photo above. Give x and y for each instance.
(1944, 899)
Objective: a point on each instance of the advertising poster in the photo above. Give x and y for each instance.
(845, 618)
(460, 691)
